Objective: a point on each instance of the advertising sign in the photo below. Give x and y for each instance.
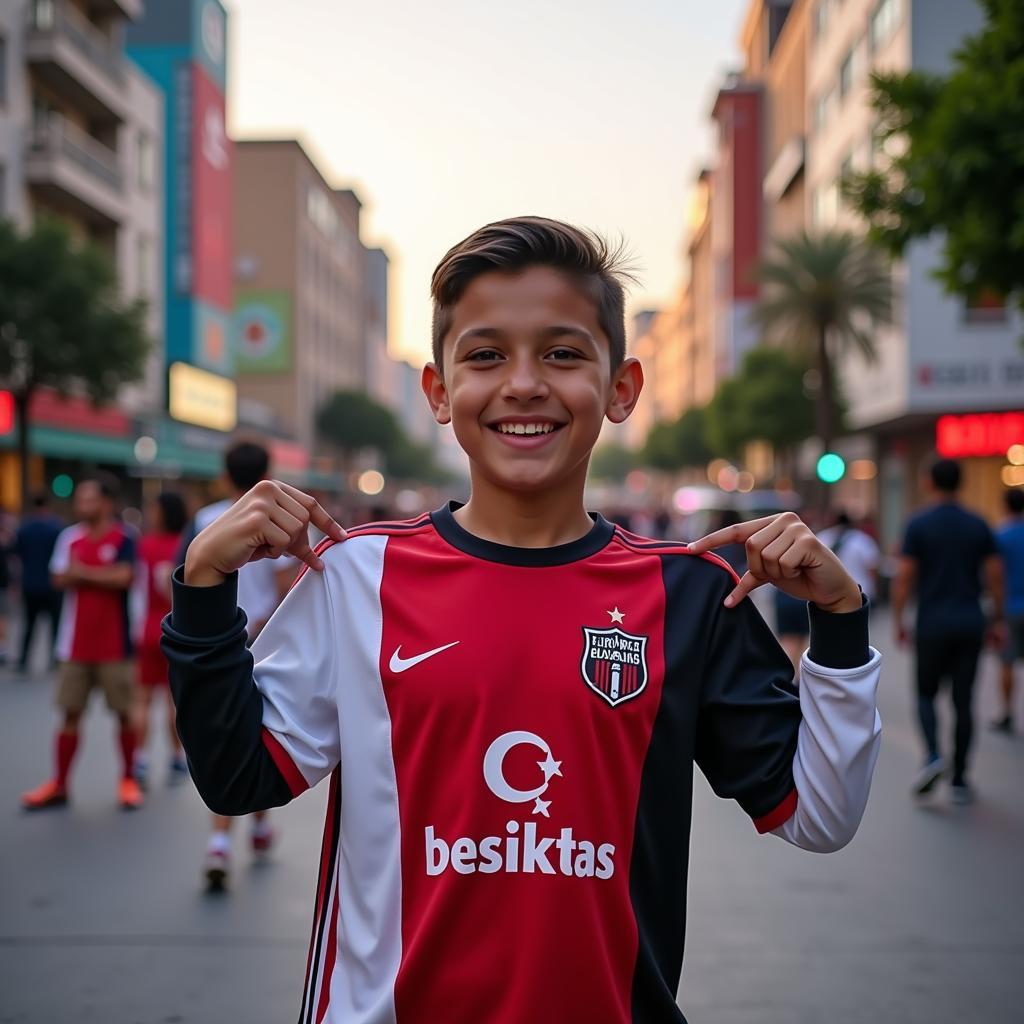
(262, 332)
(211, 339)
(209, 40)
(195, 396)
(211, 194)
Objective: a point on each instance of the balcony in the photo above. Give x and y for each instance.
(72, 169)
(76, 59)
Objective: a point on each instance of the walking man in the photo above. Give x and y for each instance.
(93, 563)
(34, 544)
(856, 550)
(946, 552)
(1010, 538)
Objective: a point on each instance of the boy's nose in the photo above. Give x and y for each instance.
(523, 383)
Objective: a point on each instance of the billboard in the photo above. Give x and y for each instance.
(211, 338)
(211, 194)
(209, 40)
(262, 334)
(195, 396)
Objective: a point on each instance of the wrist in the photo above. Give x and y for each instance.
(851, 601)
(198, 571)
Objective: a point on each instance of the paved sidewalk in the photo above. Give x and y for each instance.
(919, 921)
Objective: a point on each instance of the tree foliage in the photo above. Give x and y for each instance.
(63, 321)
(820, 295)
(679, 443)
(958, 163)
(612, 461)
(766, 401)
(352, 420)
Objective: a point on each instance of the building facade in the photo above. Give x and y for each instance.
(940, 358)
(311, 314)
(81, 140)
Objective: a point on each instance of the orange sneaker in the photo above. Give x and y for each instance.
(129, 795)
(49, 794)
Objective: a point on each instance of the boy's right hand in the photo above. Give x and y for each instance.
(270, 520)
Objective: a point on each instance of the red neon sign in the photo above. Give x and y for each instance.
(979, 434)
(6, 412)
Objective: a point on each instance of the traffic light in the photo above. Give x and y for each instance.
(831, 468)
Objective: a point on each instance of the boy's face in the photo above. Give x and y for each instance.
(527, 379)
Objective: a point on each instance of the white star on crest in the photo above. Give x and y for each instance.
(616, 615)
(541, 807)
(550, 767)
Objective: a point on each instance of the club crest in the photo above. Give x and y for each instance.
(614, 664)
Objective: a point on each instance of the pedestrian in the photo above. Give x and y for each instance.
(93, 563)
(946, 551)
(34, 542)
(857, 550)
(1010, 538)
(509, 695)
(261, 586)
(6, 547)
(158, 551)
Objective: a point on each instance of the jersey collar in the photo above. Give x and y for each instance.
(561, 554)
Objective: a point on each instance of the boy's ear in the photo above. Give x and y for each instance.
(627, 383)
(437, 394)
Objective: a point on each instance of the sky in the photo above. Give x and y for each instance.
(449, 114)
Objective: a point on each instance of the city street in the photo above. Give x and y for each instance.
(102, 918)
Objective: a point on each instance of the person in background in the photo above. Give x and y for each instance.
(261, 587)
(856, 550)
(93, 563)
(33, 545)
(6, 546)
(946, 552)
(1010, 538)
(166, 518)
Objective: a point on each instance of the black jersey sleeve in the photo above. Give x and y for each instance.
(219, 708)
(749, 716)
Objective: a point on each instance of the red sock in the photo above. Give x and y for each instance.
(128, 750)
(67, 745)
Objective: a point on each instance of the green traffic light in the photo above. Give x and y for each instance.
(63, 485)
(831, 468)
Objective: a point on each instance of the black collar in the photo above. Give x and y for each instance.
(561, 554)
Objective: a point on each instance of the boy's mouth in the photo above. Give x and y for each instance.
(525, 433)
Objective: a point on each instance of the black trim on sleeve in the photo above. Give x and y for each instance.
(839, 639)
(219, 708)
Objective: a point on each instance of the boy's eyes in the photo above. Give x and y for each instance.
(490, 355)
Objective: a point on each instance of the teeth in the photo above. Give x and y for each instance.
(526, 428)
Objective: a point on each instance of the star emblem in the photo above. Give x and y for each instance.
(616, 615)
(550, 767)
(541, 807)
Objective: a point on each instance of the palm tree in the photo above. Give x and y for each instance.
(824, 294)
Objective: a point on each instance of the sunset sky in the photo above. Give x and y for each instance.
(446, 115)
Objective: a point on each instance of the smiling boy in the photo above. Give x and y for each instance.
(508, 696)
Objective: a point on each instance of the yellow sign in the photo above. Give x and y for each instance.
(195, 396)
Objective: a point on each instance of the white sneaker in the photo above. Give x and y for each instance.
(926, 778)
(217, 866)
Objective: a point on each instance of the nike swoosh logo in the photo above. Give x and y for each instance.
(399, 664)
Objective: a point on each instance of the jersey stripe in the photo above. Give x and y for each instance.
(330, 953)
(285, 765)
(328, 854)
(779, 816)
(671, 547)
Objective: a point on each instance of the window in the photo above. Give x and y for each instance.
(144, 162)
(883, 23)
(42, 15)
(144, 258)
(824, 205)
(3, 71)
(822, 109)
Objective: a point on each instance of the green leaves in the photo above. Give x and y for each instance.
(957, 162)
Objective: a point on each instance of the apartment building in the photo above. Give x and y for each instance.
(81, 139)
(303, 286)
(941, 365)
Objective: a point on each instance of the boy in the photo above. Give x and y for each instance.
(93, 562)
(508, 695)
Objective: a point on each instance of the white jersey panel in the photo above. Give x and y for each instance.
(59, 562)
(837, 747)
(369, 938)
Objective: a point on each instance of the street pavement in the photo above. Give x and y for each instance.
(920, 919)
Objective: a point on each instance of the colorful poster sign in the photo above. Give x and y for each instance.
(262, 332)
(209, 39)
(211, 194)
(211, 339)
(195, 396)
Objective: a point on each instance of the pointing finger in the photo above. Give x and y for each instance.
(748, 583)
(318, 515)
(301, 550)
(738, 534)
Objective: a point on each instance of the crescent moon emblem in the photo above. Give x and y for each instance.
(494, 762)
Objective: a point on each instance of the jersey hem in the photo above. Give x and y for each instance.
(779, 816)
(284, 763)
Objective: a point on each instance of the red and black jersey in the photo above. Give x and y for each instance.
(509, 735)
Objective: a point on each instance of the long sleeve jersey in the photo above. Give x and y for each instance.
(509, 735)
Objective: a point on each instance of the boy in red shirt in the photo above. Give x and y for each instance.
(158, 553)
(93, 563)
(509, 695)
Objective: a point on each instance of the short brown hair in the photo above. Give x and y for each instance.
(520, 242)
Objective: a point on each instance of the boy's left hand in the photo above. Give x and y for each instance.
(781, 549)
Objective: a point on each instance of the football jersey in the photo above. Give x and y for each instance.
(158, 554)
(94, 623)
(509, 735)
